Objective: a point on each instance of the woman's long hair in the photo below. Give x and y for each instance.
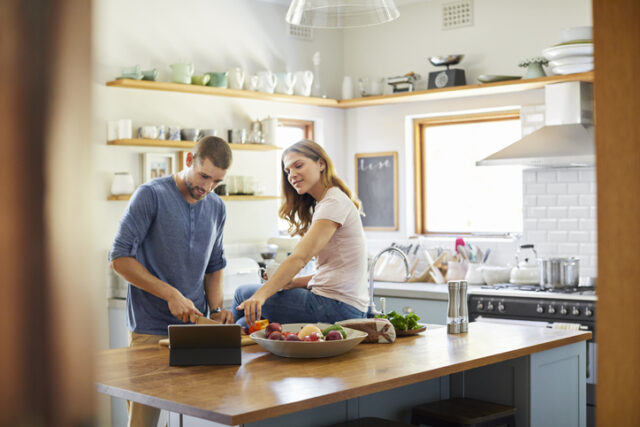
(298, 209)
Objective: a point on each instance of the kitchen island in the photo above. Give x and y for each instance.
(539, 371)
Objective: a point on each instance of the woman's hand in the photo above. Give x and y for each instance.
(225, 316)
(252, 309)
(183, 308)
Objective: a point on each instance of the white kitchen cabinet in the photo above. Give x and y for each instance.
(429, 311)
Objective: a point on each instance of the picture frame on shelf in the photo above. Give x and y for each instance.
(182, 160)
(157, 165)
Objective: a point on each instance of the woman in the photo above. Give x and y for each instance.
(320, 208)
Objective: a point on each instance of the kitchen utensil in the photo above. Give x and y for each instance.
(453, 308)
(403, 83)
(448, 77)
(203, 320)
(304, 79)
(555, 52)
(464, 308)
(347, 87)
(286, 83)
(573, 68)
(493, 274)
(200, 80)
(474, 274)
(181, 73)
(236, 78)
(309, 349)
(486, 255)
(122, 184)
(218, 78)
(526, 271)
(266, 81)
(571, 60)
(190, 134)
(559, 272)
(490, 78)
(151, 75)
(575, 33)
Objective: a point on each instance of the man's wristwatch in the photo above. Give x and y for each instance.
(215, 310)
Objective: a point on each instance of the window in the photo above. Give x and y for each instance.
(452, 194)
(288, 133)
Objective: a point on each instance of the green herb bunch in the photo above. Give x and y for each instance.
(400, 322)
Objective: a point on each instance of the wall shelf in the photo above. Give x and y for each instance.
(510, 86)
(238, 197)
(218, 91)
(185, 145)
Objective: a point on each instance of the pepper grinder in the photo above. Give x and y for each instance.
(464, 307)
(453, 311)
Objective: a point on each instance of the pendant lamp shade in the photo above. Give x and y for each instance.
(341, 13)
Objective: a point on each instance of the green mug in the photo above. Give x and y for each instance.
(218, 79)
(200, 80)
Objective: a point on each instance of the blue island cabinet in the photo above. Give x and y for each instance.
(548, 388)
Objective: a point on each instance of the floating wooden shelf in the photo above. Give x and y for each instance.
(125, 197)
(186, 145)
(395, 98)
(217, 91)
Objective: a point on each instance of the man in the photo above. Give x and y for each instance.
(169, 248)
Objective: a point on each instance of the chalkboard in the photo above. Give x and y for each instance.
(377, 189)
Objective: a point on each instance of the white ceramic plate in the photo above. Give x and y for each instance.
(571, 60)
(489, 78)
(574, 68)
(309, 350)
(555, 52)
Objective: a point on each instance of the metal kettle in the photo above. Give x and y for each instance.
(526, 271)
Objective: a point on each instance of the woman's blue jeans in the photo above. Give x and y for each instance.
(298, 305)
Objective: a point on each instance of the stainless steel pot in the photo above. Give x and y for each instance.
(559, 272)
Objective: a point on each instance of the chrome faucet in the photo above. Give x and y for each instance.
(372, 305)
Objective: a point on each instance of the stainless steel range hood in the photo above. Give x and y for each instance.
(567, 137)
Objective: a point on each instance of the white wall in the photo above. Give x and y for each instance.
(503, 33)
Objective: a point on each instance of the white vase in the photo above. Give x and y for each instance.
(347, 88)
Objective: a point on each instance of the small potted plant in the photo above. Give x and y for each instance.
(534, 67)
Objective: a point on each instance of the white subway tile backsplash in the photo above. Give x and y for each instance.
(588, 249)
(558, 236)
(557, 212)
(528, 176)
(547, 176)
(579, 188)
(579, 236)
(587, 174)
(579, 212)
(547, 224)
(567, 176)
(568, 224)
(587, 200)
(567, 197)
(535, 188)
(536, 212)
(587, 224)
(567, 200)
(546, 200)
(567, 249)
(557, 188)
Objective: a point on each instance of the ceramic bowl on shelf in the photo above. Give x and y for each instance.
(572, 68)
(579, 49)
(190, 134)
(571, 60)
(575, 33)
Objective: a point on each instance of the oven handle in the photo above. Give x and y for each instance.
(539, 324)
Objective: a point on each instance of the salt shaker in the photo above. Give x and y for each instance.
(453, 311)
(464, 307)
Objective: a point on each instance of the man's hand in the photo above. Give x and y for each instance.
(183, 308)
(224, 316)
(252, 309)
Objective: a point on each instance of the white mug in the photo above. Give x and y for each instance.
(112, 130)
(347, 88)
(304, 79)
(125, 129)
(251, 83)
(286, 81)
(122, 184)
(266, 81)
(269, 128)
(236, 78)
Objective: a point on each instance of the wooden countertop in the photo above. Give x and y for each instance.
(266, 385)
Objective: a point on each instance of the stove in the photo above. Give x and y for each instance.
(530, 305)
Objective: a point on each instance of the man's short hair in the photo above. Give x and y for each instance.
(215, 149)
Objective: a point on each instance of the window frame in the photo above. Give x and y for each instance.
(420, 184)
(307, 126)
